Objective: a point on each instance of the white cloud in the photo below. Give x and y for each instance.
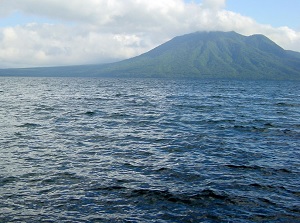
(96, 31)
(46, 45)
(214, 4)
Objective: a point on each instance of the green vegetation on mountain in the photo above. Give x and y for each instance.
(197, 55)
(213, 55)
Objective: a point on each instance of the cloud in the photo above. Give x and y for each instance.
(214, 4)
(46, 45)
(99, 31)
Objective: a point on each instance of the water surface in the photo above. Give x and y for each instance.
(149, 150)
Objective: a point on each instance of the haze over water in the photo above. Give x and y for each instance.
(149, 150)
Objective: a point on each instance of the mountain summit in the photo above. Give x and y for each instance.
(212, 55)
(196, 55)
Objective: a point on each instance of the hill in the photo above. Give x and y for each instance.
(213, 55)
(197, 55)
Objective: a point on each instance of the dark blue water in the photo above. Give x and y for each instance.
(149, 150)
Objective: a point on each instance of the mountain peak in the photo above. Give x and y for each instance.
(200, 55)
(212, 55)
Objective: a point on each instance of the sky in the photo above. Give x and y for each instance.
(36, 33)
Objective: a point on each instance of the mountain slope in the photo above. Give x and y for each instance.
(212, 55)
(197, 55)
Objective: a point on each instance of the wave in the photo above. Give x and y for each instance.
(95, 98)
(284, 104)
(8, 180)
(29, 125)
(90, 113)
(260, 168)
(108, 188)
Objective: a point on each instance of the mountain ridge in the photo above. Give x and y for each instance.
(196, 55)
(213, 55)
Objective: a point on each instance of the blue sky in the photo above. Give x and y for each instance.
(19, 18)
(274, 12)
(63, 32)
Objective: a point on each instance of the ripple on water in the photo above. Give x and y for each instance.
(144, 150)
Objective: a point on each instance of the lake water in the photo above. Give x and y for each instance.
(149, 150)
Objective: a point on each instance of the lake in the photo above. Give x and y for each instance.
(149, 150)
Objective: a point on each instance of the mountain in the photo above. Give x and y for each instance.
(213, 55)
(196, 55)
